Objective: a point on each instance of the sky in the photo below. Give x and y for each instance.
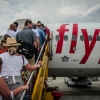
(48, 11)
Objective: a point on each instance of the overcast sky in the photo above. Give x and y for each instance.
(48, 11)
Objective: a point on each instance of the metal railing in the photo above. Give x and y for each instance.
(23, 94)
(38, 89)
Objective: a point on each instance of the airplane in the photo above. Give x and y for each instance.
(74, 51)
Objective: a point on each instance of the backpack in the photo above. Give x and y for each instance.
(26, 49)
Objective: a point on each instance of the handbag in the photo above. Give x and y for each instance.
(24, 73)
(25, 79)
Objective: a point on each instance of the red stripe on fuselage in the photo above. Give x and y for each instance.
(99, 61)
(88, 49)
(73, 43)
(61, 34)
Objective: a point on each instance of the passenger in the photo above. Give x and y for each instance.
(47, 31)
(38, 22)
(37, 40)
(34, 26)
(42, 35)
(5, 91)
(37, 36)
(17, 30)
(3, 40)
(43, 28)
(11, 32)
(12, 64)
(27, 35)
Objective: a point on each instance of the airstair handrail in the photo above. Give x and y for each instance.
(23, 94)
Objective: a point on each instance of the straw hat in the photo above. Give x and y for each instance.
(11, 42)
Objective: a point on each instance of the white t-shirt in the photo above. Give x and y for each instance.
(11, 33)
(17, 30)
(36, 32)
(12, 65)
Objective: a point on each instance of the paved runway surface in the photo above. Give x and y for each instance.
(91, 92)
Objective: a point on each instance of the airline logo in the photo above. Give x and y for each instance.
(88, 47)
(65, 58)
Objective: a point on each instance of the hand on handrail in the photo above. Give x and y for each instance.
(25, 87)
(40, 63)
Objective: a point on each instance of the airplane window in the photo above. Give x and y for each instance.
(82, 38)
(98, 38)
(65, 37)
(90, 38)
(74, 38)
(57, 37)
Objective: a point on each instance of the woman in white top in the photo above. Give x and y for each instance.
(12, 64)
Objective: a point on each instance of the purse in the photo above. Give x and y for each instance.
(24, 73)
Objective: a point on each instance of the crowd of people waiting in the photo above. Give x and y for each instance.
(12, 61)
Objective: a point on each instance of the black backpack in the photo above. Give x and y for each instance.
(26, 49)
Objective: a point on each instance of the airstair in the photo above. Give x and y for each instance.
(40, 90)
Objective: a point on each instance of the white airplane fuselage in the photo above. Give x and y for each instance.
(75, 49)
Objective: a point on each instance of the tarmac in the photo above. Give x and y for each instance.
(91, 92)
